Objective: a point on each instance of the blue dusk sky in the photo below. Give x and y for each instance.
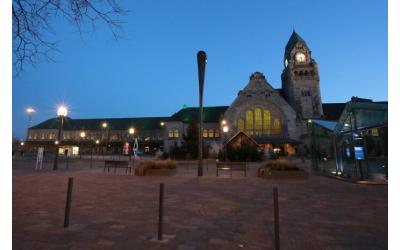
(152, 71)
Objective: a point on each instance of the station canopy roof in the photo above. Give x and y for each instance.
(362, 114)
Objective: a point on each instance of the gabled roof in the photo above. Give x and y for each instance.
(294, 38)
(191, 114)
(143, 123)
(241, 133)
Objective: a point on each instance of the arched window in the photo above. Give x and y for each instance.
(306, 73)
(277, 126)
(216, 133)
(176, 133)
(258, 121)
(170, 133)
(249, 121)
(267, 122)
(301, 73)
(211, 133)
(205, 133)
(240, 125)
(296, 73)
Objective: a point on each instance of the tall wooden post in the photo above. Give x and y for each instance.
(201, 63)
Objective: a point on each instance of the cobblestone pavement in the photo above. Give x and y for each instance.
(118, 211)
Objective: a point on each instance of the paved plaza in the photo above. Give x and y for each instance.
(118, 211)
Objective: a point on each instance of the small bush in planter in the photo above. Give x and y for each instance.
(277, 166)
(154, 164)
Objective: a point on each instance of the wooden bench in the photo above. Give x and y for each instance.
(232, 166)
(117, 164)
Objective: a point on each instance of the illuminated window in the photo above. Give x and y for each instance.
(205, 134)
(267, 122)
(277, 126)
(170, 133)
(374, 132)
(241, 125)
(176, 133)
(249, 120)
(258, 121)
(210, 133)
(216, 134)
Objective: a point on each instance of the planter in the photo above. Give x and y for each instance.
(155, 172)
(283, 174)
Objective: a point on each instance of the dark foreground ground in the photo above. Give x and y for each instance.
(121, 212)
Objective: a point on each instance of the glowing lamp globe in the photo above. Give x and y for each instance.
(62, 111)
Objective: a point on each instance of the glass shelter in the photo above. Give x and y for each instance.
(356, 145)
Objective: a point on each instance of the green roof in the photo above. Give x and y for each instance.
(143, 123)
(210, 114)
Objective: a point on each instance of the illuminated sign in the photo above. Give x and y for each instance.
(359, 153)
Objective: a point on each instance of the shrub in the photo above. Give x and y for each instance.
(245, 152)
(156, 164)
(279, 166)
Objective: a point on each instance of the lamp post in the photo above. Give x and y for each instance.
(82, 135)
(104, 125)
(225, 130)
(62, 112)
(30, 111)
(201, 63)
(131, 131)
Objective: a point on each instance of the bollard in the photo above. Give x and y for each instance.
(276, 219)
(68, 204)
(160, 212)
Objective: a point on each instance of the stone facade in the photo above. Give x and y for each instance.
(260, 94)
(300, 79)
(275, 118)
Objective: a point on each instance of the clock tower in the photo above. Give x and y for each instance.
(300, 79)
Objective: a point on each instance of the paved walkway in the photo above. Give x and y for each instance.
(120, 212)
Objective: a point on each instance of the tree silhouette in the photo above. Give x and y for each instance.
(32, 23)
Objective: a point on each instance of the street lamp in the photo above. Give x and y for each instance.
(104, 125)
(131, 131)
(30, 112)
(225, 130)
(201, 64)
(82, 135)
(62, 112)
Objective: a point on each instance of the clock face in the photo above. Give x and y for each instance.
(300, 57)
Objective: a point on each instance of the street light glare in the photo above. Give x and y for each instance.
(83, 134)
(62, 111)
(30, 110)
(131, 131)
(97, 141)
(225, 129)
(104, 124)
(223, 122)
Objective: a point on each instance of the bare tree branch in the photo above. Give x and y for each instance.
(32, 27)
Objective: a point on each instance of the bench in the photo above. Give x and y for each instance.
(117, 164)
(232, 166)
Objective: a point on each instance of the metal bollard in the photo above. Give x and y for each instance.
(276, 219)
(68, 204)
(160, 212)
